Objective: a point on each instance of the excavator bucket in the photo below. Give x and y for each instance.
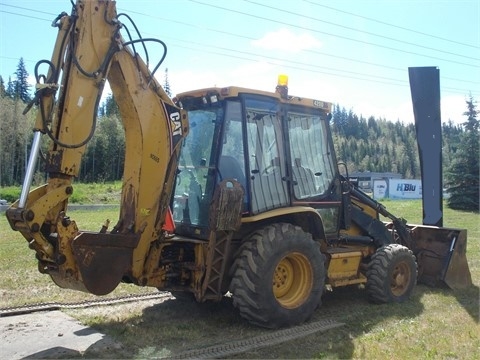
(441, 256)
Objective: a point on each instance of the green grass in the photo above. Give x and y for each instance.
(96, 193)
(20, 281)
(9, 193)
(436, 323)
(83, 193)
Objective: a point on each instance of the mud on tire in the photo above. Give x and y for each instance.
(278, 276)
(391, 274)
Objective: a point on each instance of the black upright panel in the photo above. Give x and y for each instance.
(425, 89)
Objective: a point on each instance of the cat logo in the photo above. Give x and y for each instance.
(176, 124)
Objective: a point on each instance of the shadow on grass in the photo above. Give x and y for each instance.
(350, 306)
(176, 326)
(468, 298)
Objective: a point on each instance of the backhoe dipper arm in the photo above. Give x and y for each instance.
(90, 50)
(398, 223)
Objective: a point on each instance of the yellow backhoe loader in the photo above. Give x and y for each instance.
(259, 208)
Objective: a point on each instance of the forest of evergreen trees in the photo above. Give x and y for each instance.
(381, 145)
(364, 144)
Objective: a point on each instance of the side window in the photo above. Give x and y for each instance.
(263, 142)
(232, 158)
(191, 194)
(266, 159)
(313, 166)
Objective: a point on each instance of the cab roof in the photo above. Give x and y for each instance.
(235, 91)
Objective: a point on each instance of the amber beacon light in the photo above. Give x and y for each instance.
(282, 86)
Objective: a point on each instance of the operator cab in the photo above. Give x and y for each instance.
(278, 148)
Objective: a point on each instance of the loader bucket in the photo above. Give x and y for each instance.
(441, 256)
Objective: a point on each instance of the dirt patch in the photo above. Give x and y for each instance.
(51, 335)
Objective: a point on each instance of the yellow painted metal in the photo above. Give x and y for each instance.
(279, 212)
(234, 91)
(149, 150)
(360, 279)
(81, 93)
(344, 267)
(46, 102)
(372, 212)
(354, 229)
(293, 280)
(401, 278)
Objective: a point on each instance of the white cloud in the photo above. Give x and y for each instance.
(402, 111)
(285, 40)
(31, 81)
(186, 80)
(255, 75)
(452, 108)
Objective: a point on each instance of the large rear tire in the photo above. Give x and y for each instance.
(278, 276)
(391, 274)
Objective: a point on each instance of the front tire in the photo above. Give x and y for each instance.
(391, 274)
(278, 276)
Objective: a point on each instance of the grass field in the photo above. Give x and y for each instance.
(83, 193)
(434, 324)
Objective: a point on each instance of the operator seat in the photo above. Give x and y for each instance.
(230, 168)
(304, 181)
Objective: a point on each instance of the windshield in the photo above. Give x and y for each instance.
(196, 169)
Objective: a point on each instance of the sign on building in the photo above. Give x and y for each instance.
(404, 189)
(380, 189)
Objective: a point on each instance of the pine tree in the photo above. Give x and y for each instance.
(110, 107)
(10, 88)
(3, 90)
(463, 174)
(21, 86)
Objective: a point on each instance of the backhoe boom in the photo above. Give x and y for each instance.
(89, 51)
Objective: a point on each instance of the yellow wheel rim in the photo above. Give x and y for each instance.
(293, 280)
(400, 278)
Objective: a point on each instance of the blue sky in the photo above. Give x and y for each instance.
(352, 53)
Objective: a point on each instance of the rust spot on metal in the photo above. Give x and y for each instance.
(127, 211)
(54, 161)
(103, 259)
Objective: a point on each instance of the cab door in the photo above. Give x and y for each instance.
(313, 169)
(268, 180)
